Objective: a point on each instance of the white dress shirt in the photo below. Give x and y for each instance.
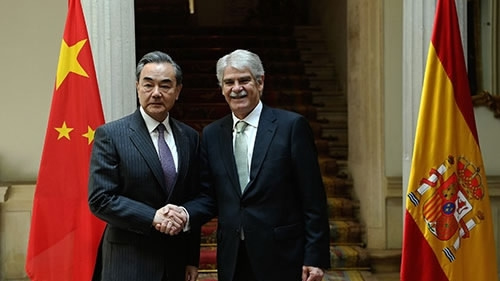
(252, 120)
(151, 124)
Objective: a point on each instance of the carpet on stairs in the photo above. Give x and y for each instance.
(347, 275)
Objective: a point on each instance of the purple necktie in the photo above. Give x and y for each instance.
(166, 159)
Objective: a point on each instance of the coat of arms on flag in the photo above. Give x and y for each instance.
(446, 196)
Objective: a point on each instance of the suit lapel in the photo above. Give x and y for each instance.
(140, 137)
(265, 133)
(227, 154)
(182, 144)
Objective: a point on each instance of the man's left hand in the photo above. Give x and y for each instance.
(311, 273)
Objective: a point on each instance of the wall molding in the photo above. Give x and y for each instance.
(492, 102)
(395, 186)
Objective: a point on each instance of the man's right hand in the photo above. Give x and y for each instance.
(170, 219)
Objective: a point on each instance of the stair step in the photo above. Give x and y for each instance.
(331, 102)
(323, 85)
(342, 208)
(337, 187)
(310, 45)
(349, 257)
(385, 261)
(319, 74)
(346, 232)
(207, 276)
(308, 33)
(339, 153)
(333, 121)
(209, 233)
(328, 165)
(208, 258)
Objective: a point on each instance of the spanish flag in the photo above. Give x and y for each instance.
(448, 233)
(64, 235)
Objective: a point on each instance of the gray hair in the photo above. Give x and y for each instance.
(240, 59)
(158, 57)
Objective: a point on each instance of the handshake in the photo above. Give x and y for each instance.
(170, 219)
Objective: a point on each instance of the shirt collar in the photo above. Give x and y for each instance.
(252, 118)
(151, 123)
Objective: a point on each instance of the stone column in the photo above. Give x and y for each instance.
(111, 31)
(16, 203)
(366, 113)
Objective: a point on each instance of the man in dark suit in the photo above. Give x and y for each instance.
(129, 186)
(271, 203)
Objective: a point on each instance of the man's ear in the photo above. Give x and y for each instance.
(261, 80)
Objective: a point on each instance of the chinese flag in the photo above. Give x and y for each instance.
(64, 235)
(448, 233)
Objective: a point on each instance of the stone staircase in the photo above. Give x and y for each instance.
(300, 77)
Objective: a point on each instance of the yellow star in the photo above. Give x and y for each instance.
(64, 131)
(68, 61)
(89, 135)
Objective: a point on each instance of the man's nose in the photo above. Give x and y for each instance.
(156, 91)
(237, 87)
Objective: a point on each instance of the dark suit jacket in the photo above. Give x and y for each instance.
(126, 187)
(283, 210)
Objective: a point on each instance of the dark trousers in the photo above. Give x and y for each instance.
(244, 270)
(179, 274)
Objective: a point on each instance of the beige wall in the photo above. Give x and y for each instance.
(488, 129)
(31, 33)
(392, 83)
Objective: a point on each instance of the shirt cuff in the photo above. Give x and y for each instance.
(187, 226)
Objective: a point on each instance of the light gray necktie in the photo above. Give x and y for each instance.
(241, 154)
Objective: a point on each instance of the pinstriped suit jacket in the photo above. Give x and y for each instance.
(282, 211)
(126, 187)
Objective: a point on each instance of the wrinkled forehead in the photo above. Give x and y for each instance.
(236, 73)
(158, 72)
